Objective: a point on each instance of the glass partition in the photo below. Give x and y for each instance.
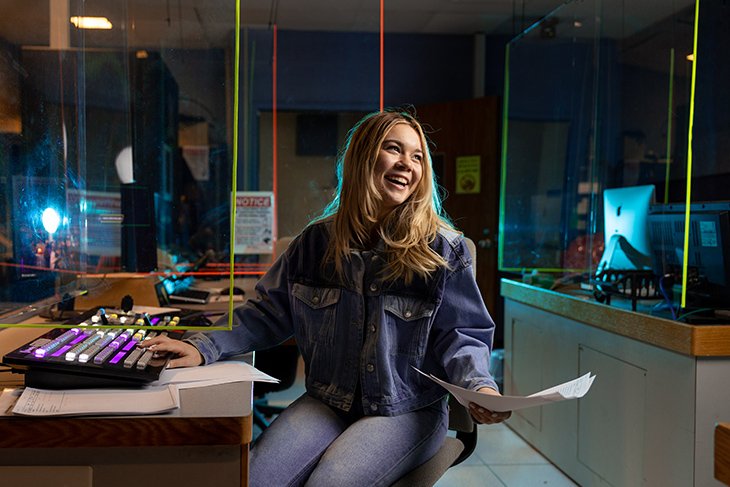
(614, 179)
(182, 141)
(116, 147)
(547, 159)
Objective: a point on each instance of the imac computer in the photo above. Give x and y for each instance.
(626, 229)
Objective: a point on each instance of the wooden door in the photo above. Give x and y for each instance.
(459, 131)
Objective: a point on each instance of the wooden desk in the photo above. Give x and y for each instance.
(693, 340)
(650, 416)
(722, 453)
(206, 438)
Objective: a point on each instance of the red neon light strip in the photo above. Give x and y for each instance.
(382, 51)
(256, 270)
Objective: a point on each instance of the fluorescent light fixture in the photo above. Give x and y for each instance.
(91, 23)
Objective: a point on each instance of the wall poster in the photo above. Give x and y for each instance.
(468, 174)
(254, 230)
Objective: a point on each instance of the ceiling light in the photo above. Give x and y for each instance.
(690, 57)
(91, 23)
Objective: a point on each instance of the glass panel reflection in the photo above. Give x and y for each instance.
(124, 132)
(624, 106)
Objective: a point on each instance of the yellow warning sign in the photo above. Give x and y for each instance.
(468, 174)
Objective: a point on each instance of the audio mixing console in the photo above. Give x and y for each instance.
(90, 356)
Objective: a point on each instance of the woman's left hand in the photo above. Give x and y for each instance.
(485, 416)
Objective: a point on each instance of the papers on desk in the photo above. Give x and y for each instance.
(158, 397)
(573, 389)
(76, 402)
(216, 373)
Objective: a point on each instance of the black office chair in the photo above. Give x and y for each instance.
(280, 362)
(455, 449)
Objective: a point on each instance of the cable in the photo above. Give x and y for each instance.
(666, 297)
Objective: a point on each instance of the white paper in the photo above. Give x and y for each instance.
(573, 389)
(41, 402)
(216, 373)
(7, 400)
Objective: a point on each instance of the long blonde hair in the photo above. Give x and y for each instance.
(408, 229)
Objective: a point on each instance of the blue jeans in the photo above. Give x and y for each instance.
(311, 443)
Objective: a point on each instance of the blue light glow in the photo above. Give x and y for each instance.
(51, 219)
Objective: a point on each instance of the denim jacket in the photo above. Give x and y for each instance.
(359, 331)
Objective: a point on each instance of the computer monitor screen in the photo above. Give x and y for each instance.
(626, 228)
(708, 249)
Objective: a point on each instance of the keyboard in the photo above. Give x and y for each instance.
(198, 296)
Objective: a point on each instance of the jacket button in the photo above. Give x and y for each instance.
(408, 313)
(373, 287)
(370, 367)
(372, 328)
(373, 407)
(315, 299)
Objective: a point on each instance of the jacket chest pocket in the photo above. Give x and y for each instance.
(314, 310)
(407, 321)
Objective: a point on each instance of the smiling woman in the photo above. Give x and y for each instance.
(379, 284)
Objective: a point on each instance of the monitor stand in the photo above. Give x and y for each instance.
(619, 254)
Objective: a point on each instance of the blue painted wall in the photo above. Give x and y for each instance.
(340, 71)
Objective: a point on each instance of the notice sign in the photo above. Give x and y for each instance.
(468, 174)
(254, 231)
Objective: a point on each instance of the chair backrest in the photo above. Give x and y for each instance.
(281, 361)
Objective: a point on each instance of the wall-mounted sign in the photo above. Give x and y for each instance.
(254, 222)
(468, 174)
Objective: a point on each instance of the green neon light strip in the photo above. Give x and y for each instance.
(688, 199)
(669, 125)
(234, 178)
(503, 175)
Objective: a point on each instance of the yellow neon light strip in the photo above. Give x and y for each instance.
(234, 177)
(688, 199)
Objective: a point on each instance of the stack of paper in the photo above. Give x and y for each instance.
(158, 397)
(39, 402)
(216, 373)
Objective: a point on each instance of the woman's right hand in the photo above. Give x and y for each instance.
(186, 355)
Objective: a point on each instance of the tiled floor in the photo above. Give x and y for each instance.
(501, 457)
